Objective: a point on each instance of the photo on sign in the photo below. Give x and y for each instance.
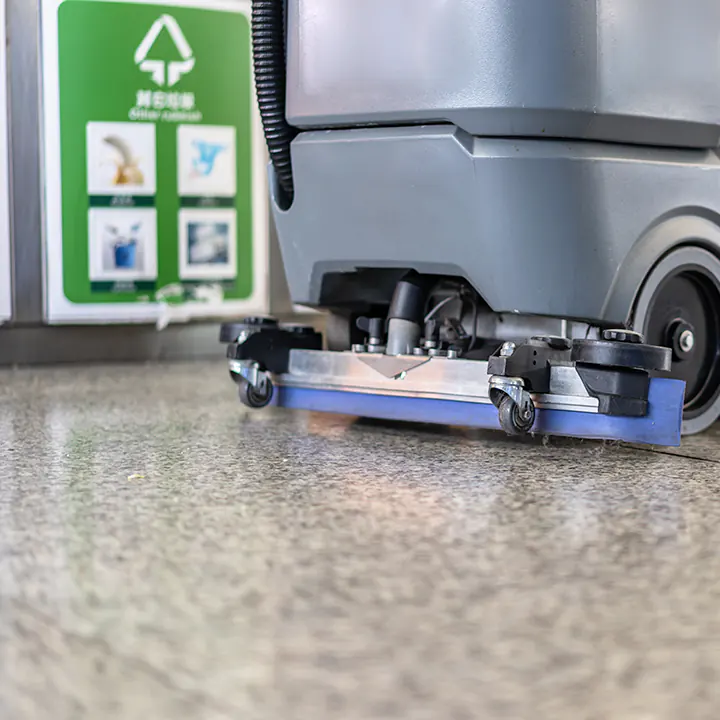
(123, 244)
(206, 161)
(208, 244)
(121, 158)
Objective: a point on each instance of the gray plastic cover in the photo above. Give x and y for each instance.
(631, 71)
(538, 227)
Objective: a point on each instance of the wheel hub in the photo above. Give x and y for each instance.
(680, 337)
(687, 341)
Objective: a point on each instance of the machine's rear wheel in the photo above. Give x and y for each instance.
(679, 307)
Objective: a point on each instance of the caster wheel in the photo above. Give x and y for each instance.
(513, 419)
(679, 307)
(253, 397)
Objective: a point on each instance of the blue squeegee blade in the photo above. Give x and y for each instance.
(661, 426)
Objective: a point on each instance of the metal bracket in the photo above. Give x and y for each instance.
(393, 366)
(514, 387)
(251, 372)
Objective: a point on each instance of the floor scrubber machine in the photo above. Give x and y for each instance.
(509, 209)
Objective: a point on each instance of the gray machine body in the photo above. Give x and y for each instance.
(473, 145)
(635, 71)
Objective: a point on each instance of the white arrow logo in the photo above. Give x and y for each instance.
(175, 69)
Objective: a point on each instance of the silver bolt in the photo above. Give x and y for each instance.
(687, 340)
(507, 349)
(358, 348)
(452, 354)
(418, 351)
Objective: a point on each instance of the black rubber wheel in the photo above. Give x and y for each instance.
(512, 420)
(253, 397)
(686, 305)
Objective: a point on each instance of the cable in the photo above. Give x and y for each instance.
(462, 296)
(268, 42)
(441, 305)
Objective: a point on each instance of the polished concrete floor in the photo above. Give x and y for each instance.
(165, 554)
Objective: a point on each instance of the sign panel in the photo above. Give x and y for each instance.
(156, 191)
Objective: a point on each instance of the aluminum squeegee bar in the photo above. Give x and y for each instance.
(435, 378)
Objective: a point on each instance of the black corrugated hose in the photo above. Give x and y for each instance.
(268, 40)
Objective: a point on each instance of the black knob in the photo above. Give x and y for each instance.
(372, 326)
(625, 336)
(260, 321)
(300, 329)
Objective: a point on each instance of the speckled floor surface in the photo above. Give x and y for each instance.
(292, 566)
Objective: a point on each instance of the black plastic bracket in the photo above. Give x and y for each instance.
(620, 391)
(616, 370)
(263, 341)
(531, 361)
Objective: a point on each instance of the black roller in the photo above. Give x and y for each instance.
(622, 355)
(268, 41)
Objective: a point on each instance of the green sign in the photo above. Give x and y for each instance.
(156, 152)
